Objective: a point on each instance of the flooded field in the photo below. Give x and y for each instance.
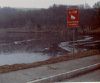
(18, 58)
(28, 47)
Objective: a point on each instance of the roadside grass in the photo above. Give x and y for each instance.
(95, 31)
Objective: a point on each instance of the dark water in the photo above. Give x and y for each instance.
(28, 41)
(33, 41)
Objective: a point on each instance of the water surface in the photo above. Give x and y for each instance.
(17, 58)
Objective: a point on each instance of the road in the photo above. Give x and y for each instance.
(31, 74)
(93, 76)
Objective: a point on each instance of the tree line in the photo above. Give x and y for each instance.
(55, 15)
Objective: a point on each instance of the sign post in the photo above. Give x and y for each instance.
(73, 22)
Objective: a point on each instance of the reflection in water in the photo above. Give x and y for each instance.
(29, 42)
(17, 58)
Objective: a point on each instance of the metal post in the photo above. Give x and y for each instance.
(73, 41)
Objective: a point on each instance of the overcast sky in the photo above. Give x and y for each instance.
(42, 3)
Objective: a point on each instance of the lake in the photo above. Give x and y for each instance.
(18, 58)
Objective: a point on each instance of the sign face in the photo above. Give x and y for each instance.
(72, 18)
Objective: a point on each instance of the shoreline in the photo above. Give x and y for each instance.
(16, 67)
